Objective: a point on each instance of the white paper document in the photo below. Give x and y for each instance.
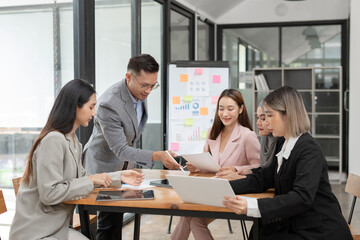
(203, 161)
(143, 185)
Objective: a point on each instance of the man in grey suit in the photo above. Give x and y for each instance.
(120, 121)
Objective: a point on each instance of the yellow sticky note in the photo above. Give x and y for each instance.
(204, 111)
(189, 121)
(176, 100)
(203, 134)
(187, 98)
(184, 77)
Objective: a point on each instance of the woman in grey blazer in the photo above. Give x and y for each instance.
(54, 172)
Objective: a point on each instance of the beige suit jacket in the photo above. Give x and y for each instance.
(58, 176)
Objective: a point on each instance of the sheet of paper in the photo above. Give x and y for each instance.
(243, 197)
(178, 172)
(198, 84)
(144, 184)
(203, 161)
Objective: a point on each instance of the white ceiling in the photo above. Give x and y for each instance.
(260, 11)
(212, 8)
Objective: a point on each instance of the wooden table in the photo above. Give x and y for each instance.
(166, 202)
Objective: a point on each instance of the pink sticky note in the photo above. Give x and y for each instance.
(214, 99)
(174, 146)
(216, 79)
(198, 71)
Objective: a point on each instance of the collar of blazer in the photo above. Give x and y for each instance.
(73, 150)
(129, 106)
(214, 145)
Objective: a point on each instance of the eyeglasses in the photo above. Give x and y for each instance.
(146, 86)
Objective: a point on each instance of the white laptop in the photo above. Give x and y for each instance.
(201, 190)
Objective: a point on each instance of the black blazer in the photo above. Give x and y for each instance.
(304, 206)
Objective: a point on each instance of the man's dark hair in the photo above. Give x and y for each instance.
(143, 62)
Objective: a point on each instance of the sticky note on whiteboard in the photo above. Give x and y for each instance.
(184, 77)
(176, 100)
(188, 98)
(216, 79)
(204, 111)
(198, 71)
(203, 134)
(214, 99)
(189, 121)
(174, 146)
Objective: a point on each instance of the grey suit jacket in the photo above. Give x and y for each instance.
(58, 176)
(116, 133)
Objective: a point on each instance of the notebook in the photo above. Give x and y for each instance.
(201, 190)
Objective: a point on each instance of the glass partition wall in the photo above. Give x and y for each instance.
(248, 48)
(36, 60)
(151, 32)
(179, 36)
(294, 46)
(311, 46)
(205, 40)
(112, 42)
(38, 65)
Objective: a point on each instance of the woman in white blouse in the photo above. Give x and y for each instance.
(304, 206)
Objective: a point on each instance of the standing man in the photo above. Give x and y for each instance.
(120, 121)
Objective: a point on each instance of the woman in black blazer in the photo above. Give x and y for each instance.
(304, 206)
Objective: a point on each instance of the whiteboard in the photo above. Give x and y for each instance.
(193, 90)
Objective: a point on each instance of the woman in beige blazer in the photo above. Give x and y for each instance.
(54, 172)
(233, 144)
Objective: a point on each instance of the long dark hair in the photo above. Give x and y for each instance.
(62, 115)
(243, 118)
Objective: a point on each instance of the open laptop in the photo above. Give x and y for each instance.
(201, 190)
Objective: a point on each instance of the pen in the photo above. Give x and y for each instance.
(181, 168)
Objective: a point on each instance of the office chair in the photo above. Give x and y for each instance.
(353, 187)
